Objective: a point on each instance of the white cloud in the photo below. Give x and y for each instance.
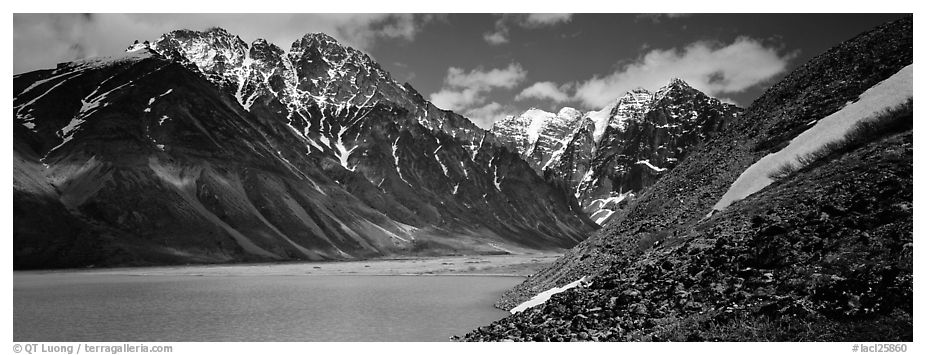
(41, 40)
(496, 38)
(544, 90)
(480, 79)
(707, 66)
(362, 30)
(465, 92)
(537, 20)
(456, 99)
(727, 100)
(486, 116)
(504, 23)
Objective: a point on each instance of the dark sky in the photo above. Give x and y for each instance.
(486, 66)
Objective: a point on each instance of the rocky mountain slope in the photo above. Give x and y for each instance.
(200, 148)
(823, 253)
(606, 157)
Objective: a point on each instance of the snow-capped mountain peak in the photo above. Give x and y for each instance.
(138, 46)
(213, 51)
(569, 113)
(674, 86)
(630, 106)
(323, 43)
(537, 134)
(316, 75)
(621, 148)
(678, 82)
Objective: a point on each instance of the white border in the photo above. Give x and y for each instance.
(468, 6)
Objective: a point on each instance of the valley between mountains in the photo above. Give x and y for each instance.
(201, 148)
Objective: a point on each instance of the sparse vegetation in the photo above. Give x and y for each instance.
(890, 121)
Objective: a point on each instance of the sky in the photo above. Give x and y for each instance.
(487, 66)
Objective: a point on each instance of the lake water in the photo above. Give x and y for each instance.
(78, 306)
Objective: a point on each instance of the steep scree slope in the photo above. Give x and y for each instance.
(805, 250)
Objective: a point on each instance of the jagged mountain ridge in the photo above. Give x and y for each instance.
(316, 71)
(604, 157)
(238, 162)
(537, 134)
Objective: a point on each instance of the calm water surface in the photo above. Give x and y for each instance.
(92, 307)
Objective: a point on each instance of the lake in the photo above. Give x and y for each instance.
(88, 306)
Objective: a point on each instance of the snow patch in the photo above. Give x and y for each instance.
(601, 202)
(443, 167)
(71, 126)
(153, 99)
(343, 153)
(585, 180)
(542, 297)
(601, 216)
(538, 121)
(137, 47)
(99, 62)
(43, 81)
(600, 118)
(28, 105)
(395, 157)
(465, 172)
(890, 93)
(497, 180)
(651, 166)
(313, 144)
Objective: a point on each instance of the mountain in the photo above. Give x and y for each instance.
(606, 157)
(793, 224)
(536, 134)
(198, 148)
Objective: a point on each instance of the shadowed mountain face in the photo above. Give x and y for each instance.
(822, 253)
(200, 148)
